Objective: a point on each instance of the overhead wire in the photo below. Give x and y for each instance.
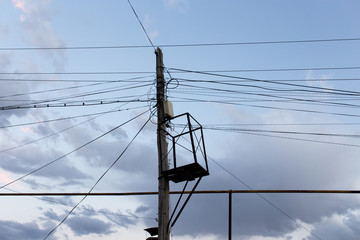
(298, 139)
(233, 129)
(69, 88)
(57, 80)
(270, 107)
(74, 150)
(57, 119)
(264, 198)
(63, 130)
(176, 71)
(272, 96)
(178, 45)
(80, 95)
(273, 69)
(267, 81)
(226, 97)
(142, 26)
(322, 90)
(260, 195)
(280, 80)
(99, 179)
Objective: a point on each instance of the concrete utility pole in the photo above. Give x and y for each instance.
(163, 204)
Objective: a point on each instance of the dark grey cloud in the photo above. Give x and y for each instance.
(10, 230)
(87, 225)
(30, 158)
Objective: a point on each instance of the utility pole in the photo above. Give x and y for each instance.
(163, 202)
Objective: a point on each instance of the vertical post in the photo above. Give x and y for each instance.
(230, 214)
(163, 202)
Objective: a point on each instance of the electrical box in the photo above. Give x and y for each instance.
(168, 110)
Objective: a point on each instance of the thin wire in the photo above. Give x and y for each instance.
(85, 208)
(58, 119)
(270, 124)
(269, 107)
(61, 131)
(276, 69)
(281, 80)
(107, 170)
(175, 71)
(147, 35)
(178, 45)
(78, 73)
(299, 139)
(91, 93)
(347, 93)
(79, 80)
(323, 90)
(75, 150)
(74, 87)
(268, 81)
(232, 129)
(264, 198)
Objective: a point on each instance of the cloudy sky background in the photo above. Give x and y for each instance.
(264, 134)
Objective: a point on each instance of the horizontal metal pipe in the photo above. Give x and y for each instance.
(186, 192)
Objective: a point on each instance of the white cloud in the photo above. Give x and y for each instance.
(181, 5)
(35, 18)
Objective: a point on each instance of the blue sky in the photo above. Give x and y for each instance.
(292, 130)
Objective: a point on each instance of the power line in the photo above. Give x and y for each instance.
(78, 73)
(275, 96)
(75, 150)
(269, 107)
(233, 129)
(175, 71)
(142, 26)
(275, 69)
(264, 198)
(63, 130)
(265, 81)
(278, 80)
(57, 119)
(96, 92)
(323, 90)
(178, 45)
(250, 188)
(73, 104)
(92, 188)
(298, 139)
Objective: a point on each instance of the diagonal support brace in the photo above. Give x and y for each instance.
(186, 201)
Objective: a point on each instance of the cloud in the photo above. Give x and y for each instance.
(87, 225)
(35, 18)
(148, 21)
(181, 5)
(30, 158)
(340, 226)
(10, 230)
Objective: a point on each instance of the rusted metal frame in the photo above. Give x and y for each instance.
(186, 201)
(186, 192)
(177, 204)
(191, 138)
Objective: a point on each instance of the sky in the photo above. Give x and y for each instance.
(276, 114)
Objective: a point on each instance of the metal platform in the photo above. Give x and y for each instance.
(185, 173)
